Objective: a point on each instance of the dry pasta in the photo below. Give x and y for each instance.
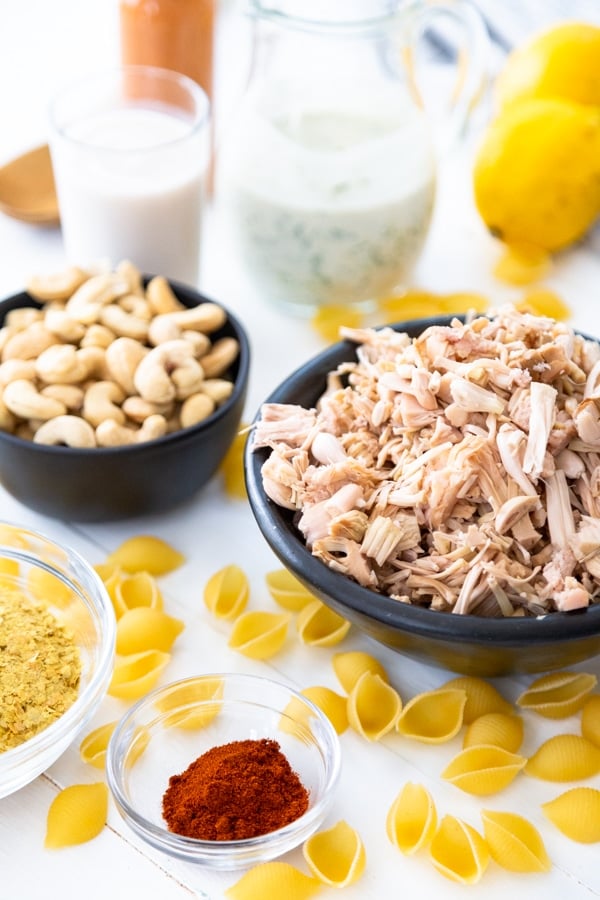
(497, 729)
(319, 626)
(146, 553)
(134, 675)
(226, 592)
(482, 697)
(287, 591)
(590, 719)
(232, 466)
(351, 665)
(332, 704)
(94, 745)
(336, 856)
(458, 851)
(576, 813)
(515, 844)
(195, 702)
(373, 707)
(48, 587)
(565, 757)
(483, 769)
(143, 628)
(433, 716)
(557, 695)
(412, 819)
(137, 590)
(259, 634)
(274, 881)
(111, 577)
(76, 815)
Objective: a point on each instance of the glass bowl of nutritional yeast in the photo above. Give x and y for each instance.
(57, 639)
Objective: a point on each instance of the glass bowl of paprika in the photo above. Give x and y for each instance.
(224, 770)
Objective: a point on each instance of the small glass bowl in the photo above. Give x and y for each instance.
(169, 728)
(40, 568)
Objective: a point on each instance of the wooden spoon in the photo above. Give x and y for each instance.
(27, 189)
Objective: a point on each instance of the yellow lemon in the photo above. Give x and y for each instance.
(561, 62)
(536, 177)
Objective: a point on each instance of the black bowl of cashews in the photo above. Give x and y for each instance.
(120, 393)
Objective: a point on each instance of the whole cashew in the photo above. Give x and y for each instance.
(133, 276)
(205, 317)
(93, 359)
(29, 343)
(122, 359)
(195, 408)
(22, 317)
(218, 389)
(138, 410)
(57, 286)
(69, 394)
(63, 326)
(85, 305)
(160, 296)
(223, 353)
(69, 431)
(165, 328)
(166, 371)
(61, 364)
(17, 368)
(101, 402)
(24, 400)
(124, 324)
(97, 336)
(137, 306)
(110, 434)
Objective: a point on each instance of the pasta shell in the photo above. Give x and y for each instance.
(333, 705)
(483, 770)
(351, 665)
(94, 745)
(557, 695)
(196, 702)
(272, 881)
(482, 697)
(590, 719)
(9, 567)
(373, 707)
(319, 626)
(287, 591)
(143, 628)
(434, 716)
(496, 730)
(137, 590)
(134, 675)
(111, 579)
(232, 466)
(458, 851)
(564, 757)
(515, 844)
(48, 587)
(336, 856)
(576, 813)
(76, 815)
(226, 592)
(259, 634)
(412, 819)
(146, 553)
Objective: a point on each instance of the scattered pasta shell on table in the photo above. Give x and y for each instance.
(514, 843)
(496, 729)
(137, 590)
(232, 466)
(564, 757)
(412, 819)
(76, 815)
(134, 675)
(226, 592)
(319, 626)
(274, 881)
(482, 697)
(373, 706)
(9, 567)
(336, 856)
(259, 634)
(146, 553)
(350, 666)
(458, 851)
(483, 770)
(143, 628)
(92, 748)
(287, 591)
(433, 716)
(111, 578)
(48, 587)
(332, 704)
(558, 695)
(195, 703)
(576, 813)
(590, 719)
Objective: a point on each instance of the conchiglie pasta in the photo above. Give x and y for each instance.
(412, 819)
(146, 553)
(134, 675)
(94, 745)
(483, 770)
(496, 730)
(259, 634)
(336, 856)
(319, 626)
(287, 591)
(373, 707)
(48, 587)
(351, 665)
(195, 702)
(112, 576)
(557, 695)
(332, 704)
(515, 844)
(590, 719)
(434, 716)
(482, 697)
(576, 813)
(232, 466)
(137, 590)
(565, 757)
(9, 567)
(76, 815)
(226, 592)
(458, 851)
(274, 881)
(143, 628)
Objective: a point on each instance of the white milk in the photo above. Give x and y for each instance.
(130, 185)
(332, 206)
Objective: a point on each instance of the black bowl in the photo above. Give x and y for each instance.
(105, 484)
(463, 643)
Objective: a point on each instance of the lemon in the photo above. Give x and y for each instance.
(561, 62)
(536, 177)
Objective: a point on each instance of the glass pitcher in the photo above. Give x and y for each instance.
(327, 172)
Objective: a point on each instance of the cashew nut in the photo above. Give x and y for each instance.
(93, 359)
(57, 286)
(137, 306)
(61, 364)
(110, 434)
(195, 408)
(85, 305)
(167, 372)
(123, 357)
(160, 296)
(22, 317)
(16, 368)
(223, 353)
(7, 420)
(218, 389)
(97, 336)
(69, 394)
(165, 328)
(153, 427)
(137, 409)
(100, 403)
(63, 326)
(133, 275)
(69, 431)
(24, 400)
(124, 324)
(29, 343)
(205, 317)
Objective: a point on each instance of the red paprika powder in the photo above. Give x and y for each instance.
(238, 790)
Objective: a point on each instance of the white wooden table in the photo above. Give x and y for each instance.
(43, 44)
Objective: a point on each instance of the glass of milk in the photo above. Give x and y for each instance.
(130, 152)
